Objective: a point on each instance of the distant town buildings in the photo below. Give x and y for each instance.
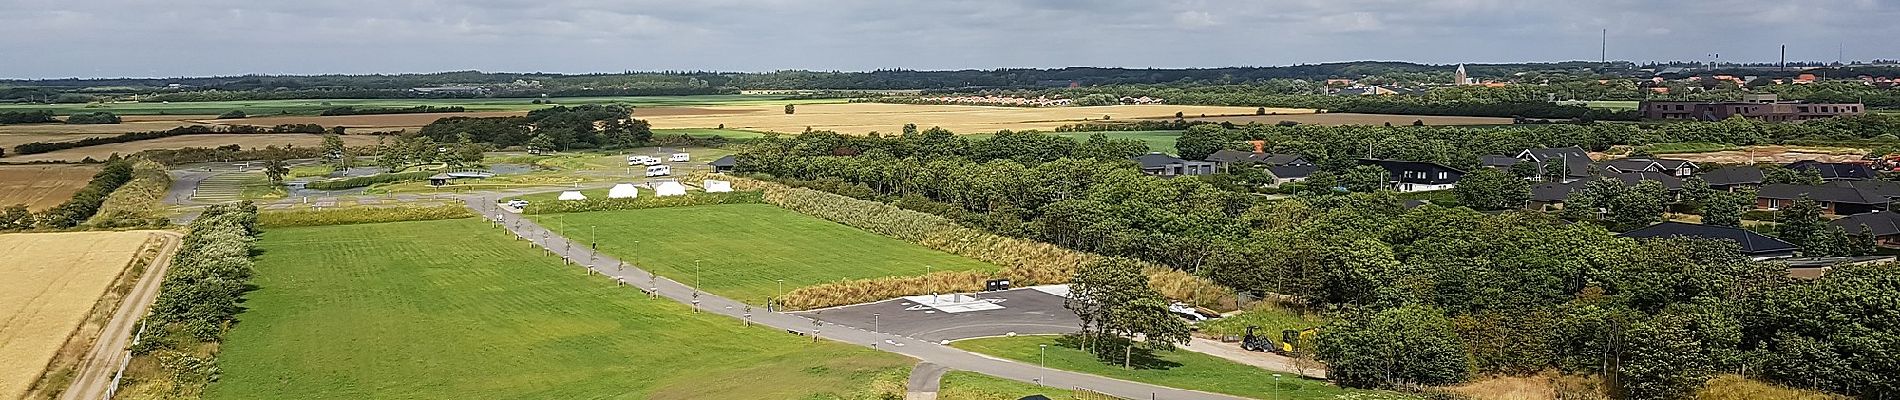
(1765, 107)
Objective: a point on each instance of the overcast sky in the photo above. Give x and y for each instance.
(159, 38)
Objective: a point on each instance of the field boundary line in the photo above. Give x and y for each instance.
(94, 379)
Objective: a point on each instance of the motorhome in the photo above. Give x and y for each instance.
(682, 157)
(659, 170)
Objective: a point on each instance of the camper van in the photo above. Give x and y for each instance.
(642, 160)
(659, 170)
(682, 157)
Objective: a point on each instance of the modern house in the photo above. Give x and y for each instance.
(1679, 168)
(1765, 107)
(1754, 245)
(724, 164)
(1836, 171)
(1164, 165)
(1573, 161)
(1838, 198)
(1885, 226)
(1417, 176)
(1284, 167)
(1551, 195)
(1734, 178)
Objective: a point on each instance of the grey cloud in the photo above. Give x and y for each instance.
(53, 38)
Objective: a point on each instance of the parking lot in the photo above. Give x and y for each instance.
(1023, 311)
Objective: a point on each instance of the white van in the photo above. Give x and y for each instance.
(659, 170)
(682, 157)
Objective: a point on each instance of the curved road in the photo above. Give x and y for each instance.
(944, 356)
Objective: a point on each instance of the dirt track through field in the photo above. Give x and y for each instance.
(52, 281)
(104, 359)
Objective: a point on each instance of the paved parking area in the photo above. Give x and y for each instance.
(1022, 311)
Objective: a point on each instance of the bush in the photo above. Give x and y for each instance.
(363, 181)
(349, 216)
(233, 114)
(208, 276)
(101, 117)
(605, 204)
(1396, 347)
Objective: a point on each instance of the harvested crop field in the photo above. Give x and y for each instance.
(41, 187)
(130, 125)
(380, 121)
(1330, 119)
(861, 118)
(52, 282)
(254, 140)
(1774, 154)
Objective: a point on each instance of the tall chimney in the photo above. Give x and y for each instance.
(1784, 58)
(1259, 146)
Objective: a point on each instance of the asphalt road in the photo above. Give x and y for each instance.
(927, 351)
(102, 362)
(1025, 312)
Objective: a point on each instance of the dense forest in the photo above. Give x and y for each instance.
(1463, 293)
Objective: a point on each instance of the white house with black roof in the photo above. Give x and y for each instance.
(1680, 168)
(1163, 165)
(1572, 161)
(1416, 176)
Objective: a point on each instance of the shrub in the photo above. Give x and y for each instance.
(233, 114)
(605, 204)
(201, 291)
(27, 117)
(86, 202)
(348, 216)
(362, 181)
(101, 117)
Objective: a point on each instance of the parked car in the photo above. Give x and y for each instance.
(517, 203)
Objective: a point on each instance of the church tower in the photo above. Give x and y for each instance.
(1460, 77)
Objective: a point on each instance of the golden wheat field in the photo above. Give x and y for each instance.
(1358, 119)
(40, 187)
(51, 282)
(248, 140)
(861, 118)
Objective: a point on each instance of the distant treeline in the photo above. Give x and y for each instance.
(352, 110)
(553, 128)
(27, 117)
(47, 147)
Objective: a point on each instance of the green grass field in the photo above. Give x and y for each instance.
(1271, 318)
(455, 309)
(1162, 141)
(1614, 104)
(259, 108)
(1180, 369)
(743, 249)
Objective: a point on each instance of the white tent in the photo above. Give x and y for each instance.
(623, 191)
(713, 186)
(668, 188)
(572, 195)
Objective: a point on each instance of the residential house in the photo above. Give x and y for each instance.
(1884, 225)
(1417, 176)
(1679, 168)
(1551, 195)
(1284, 167)
(1283, 174)
(1754, 245)
(1838, 198)
(1836, 171)
(1573, 161)
(1164, 165)
(1734, 178)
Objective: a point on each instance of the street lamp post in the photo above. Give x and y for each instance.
(877, 323)
(1044, 363)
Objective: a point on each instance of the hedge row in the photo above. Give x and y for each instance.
(27, 117)
(349, 216)
(45, 147)
(199, 300)
(362, 181)
(604, 204)
(86, 202)
(352, 110)
(1025, 262)
(137, 203)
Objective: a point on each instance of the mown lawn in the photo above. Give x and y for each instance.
(961, 385)
(1180, 369)
(706, 132)
(742, 250)
(457, 310)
